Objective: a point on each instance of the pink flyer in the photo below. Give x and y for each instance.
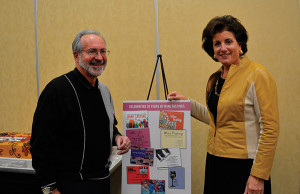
(139, 137)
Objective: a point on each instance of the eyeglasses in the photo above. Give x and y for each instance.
(94, 52)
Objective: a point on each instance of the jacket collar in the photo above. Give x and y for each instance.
(213, 77)
(83, 80)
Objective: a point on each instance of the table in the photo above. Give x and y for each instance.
(18, 176)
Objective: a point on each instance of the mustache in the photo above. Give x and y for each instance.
(97, 62)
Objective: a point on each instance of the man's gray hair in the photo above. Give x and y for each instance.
(77, 46)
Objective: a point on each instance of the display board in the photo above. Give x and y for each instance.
(159, 160)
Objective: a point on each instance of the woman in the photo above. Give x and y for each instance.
(242, 113)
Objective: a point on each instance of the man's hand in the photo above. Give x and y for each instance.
(123, 144)
(55, 191)
(254, 185)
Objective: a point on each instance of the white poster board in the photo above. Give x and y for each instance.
(165, 127)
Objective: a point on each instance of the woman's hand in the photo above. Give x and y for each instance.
(254, 185)
(176, 96)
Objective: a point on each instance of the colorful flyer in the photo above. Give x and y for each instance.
(176, 178)
(153, 186)
(167, 157)
(173, 138)
(139, 137)
(171, 120)
(136, 173)
(142, 156)
(137, 119)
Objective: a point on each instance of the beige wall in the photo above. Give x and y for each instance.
(129, 28)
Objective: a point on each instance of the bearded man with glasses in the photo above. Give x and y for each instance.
(74, 125)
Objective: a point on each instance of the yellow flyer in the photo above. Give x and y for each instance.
(173, 138)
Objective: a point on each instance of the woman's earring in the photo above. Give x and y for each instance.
(215, 58)
(241, 52)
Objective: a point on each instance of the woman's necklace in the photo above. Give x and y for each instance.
(216, 87)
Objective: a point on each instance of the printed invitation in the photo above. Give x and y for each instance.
(142, 156)
(139, 137)
(168, 157)
(137, 119)
(136, 173)
(152, 186)
(171, 120)
(176, 177)
(173, 138)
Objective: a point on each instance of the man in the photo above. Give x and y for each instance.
(74, 125)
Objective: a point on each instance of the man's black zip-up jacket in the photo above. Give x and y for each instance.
(73, 130)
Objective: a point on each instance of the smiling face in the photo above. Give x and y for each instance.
(91, 67)
(226, 48)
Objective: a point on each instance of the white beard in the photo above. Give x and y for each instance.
(93, 70)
